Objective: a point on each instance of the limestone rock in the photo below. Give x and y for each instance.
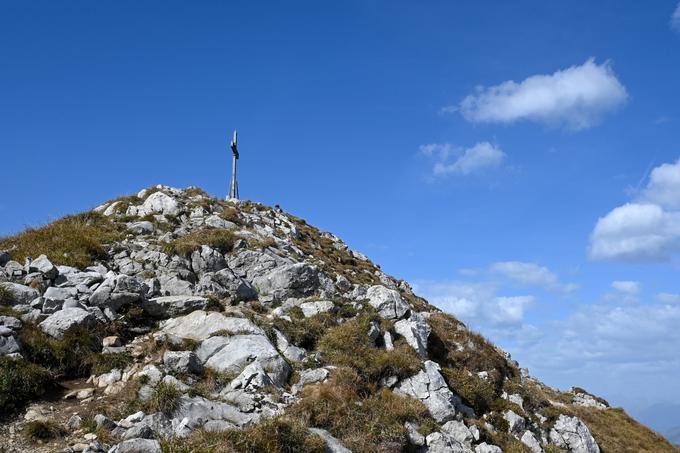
(182, 362)
(388, 302)
(415, 331)
(60, 322)
(429, 387)
(22, 294)
(310, 309)
(293, 280)
(43, 265)
(231, 354)
(531, 442)
(444, 443)
(172, 306)
(486, 448)
(137, 446)
(516, 423)
(333, 445)
(156, 203)
(572, 434)
(199, 325)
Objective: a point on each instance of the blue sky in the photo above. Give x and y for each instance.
(515, 161)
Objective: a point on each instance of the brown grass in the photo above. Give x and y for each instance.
(616, 432)
(77, 240)
(222, 240)
(277, 435)
(20, 381)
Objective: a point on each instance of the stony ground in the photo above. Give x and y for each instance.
(172, 321)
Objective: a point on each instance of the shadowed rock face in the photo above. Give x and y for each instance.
(218, 302)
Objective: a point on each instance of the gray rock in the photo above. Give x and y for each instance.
(199, 325)
(444, 443)
(138, 446)
(289, 351)
(172, 306)
(104, 422)
(156, 203)
(310, 309)
(218, 426)
(4, 257)
(531, 442)
(516, 423)
(388, 302)
(14, 269)
(572, 434)
(60, 322)
(429, 387)
(10, 322)
(182, 362)
(207, 260)
(333, 445)
(175, 286)
(43, 265)
(307, 377)
(231, 354)
(116, 292)
(139, 431)
(8, 345)
(293, 280)
(415, 331)
(414, 437)
(459, 431)
(79, 278)
(252, 378)
(251, 264)
(22, 294)
(199, 410)
(226, 284)
(75, 422)
(486, 448)
(143, 227)
(59, 294)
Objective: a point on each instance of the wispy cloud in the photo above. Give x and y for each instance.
(532, 274)
(646, 229)
(451, 160)
(627, 287)
(675, 19)
(576, 98)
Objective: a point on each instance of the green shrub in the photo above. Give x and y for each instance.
(222, 240)
(76, 240)
(21, 381)
(165, 398)
(43, 430)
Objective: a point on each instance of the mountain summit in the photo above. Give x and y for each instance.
(173, 321)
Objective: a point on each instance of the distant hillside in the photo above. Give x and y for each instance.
(173, 321)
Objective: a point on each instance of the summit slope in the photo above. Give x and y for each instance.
(173, 321)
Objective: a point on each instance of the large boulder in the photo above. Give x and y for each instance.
(171, 306)
(156, 203)
(117, 291)
(22, 294)
(43, 265)
(293, 280)
(200, 325)
(207, 259)
(229, 354)
(573, 435)
(8, 344)
(182, 362)
(415, 331)
(60, 322)
(198, 411)
(439, 442)
(225, 283)
(388, 302)
(429, 387)
(137, 446)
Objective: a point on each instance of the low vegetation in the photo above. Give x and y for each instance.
(222, 240)
(21, 381)
(165, 399)
(277, 435)
(6, 296)
(43, 430)
(77, 240)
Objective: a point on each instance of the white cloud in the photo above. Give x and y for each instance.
(668, 298)
(477, 303)
(647, 229)
(576, 97)
(452, 160)
(675, 19)
(626, 286)
(531, 274)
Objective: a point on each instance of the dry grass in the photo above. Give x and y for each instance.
(366, 422)
(165, 399)
(306, 332)
(616, 432)
(43, 430)
(348, 345)
(6, 296)
(77, 240)
(21, 381)
(277, 435)
(222, 240)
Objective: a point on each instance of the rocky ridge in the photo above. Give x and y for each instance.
(187, 323)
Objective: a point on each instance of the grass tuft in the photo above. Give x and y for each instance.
(222, 240)
(165, 398)
(78, 240)
(43, 430)
(21, 381)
